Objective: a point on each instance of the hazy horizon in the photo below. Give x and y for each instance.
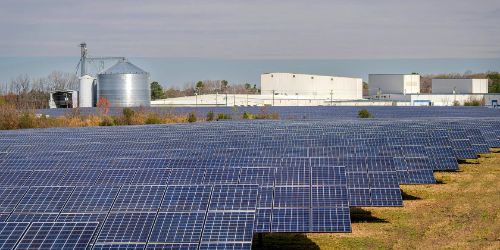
(180, 71)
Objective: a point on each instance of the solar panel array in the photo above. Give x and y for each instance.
(213, 185)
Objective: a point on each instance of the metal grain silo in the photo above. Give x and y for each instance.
(125, 85)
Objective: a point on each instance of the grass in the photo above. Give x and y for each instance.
(462, 212)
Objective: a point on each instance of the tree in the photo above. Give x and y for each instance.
(157, 91)
(494, 78)
(247, 86)
(103, 105)
(199, 86)
(224, 85)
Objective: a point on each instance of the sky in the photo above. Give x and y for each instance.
(292, 30)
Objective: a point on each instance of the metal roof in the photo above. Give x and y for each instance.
(123, 67)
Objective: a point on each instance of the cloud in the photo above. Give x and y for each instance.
(252, 29)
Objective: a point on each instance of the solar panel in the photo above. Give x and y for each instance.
(186, 198)
(154, 246)
(9, 197)
(126, 246)
(90, 200)
(10, 233)
(178, 227)
(233, 197)
(138, 199)
(330, 219)
(228, 227)
(44, 200)
(126, 227)
(290, 220)
(57, 235)
(44, 217)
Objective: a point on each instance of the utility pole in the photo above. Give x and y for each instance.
(226, 98)
(273, 97)
(331, 97)
(216, 99)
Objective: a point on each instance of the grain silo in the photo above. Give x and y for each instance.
(124, 85)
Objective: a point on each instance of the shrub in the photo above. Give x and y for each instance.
(27, 120)
(153, 118)
(246, 116)
(191, 117)
(456, 103)
(364, 114)
(106, 121)
(222, 116)
(9, 117)
(210, 116)
(128, 114)
(474, 102)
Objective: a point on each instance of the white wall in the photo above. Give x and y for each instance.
(288, 84)
(393, 84)
(461, 86)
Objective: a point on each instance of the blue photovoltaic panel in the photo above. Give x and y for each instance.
(186, 198)
(14, 178)
(292, 197)
(138, 199)
(3, 217)
(10, 233)
(228, 227)
(263, 220)
(46, 178)
(290, 220)
(234, 197)
(386, 197)
(82, 217)
(359, 197)
(115, 177)
(221, 176)
(265, 197)
(125, 246)
(225, 246)
(90, 199)
(293, 176)
(180, 227)
(154, 246)
(126, 227)
(185, 176)
(260, 176)
(45, 217)
(9, 197)
(329, 196)
(151, 177)
(80, 178)
(57, 235)
(327, 176)
(330, 220)
(44, 200)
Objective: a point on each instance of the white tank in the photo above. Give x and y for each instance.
(86, 91)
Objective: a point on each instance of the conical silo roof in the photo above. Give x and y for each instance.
(123, 67)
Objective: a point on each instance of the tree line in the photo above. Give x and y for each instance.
(24, 92)
(202, 88)
(493, 80)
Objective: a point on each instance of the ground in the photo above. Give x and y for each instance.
(462, 211)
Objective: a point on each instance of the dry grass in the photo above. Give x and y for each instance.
(462, 212)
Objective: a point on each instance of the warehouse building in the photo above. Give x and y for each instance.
(380, 84)
(459, 86)
(332, 87)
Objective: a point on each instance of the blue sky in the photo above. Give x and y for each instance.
(181, 41)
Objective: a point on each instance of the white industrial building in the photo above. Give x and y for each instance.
(459, 86)
(380, 84)
(333, 87)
